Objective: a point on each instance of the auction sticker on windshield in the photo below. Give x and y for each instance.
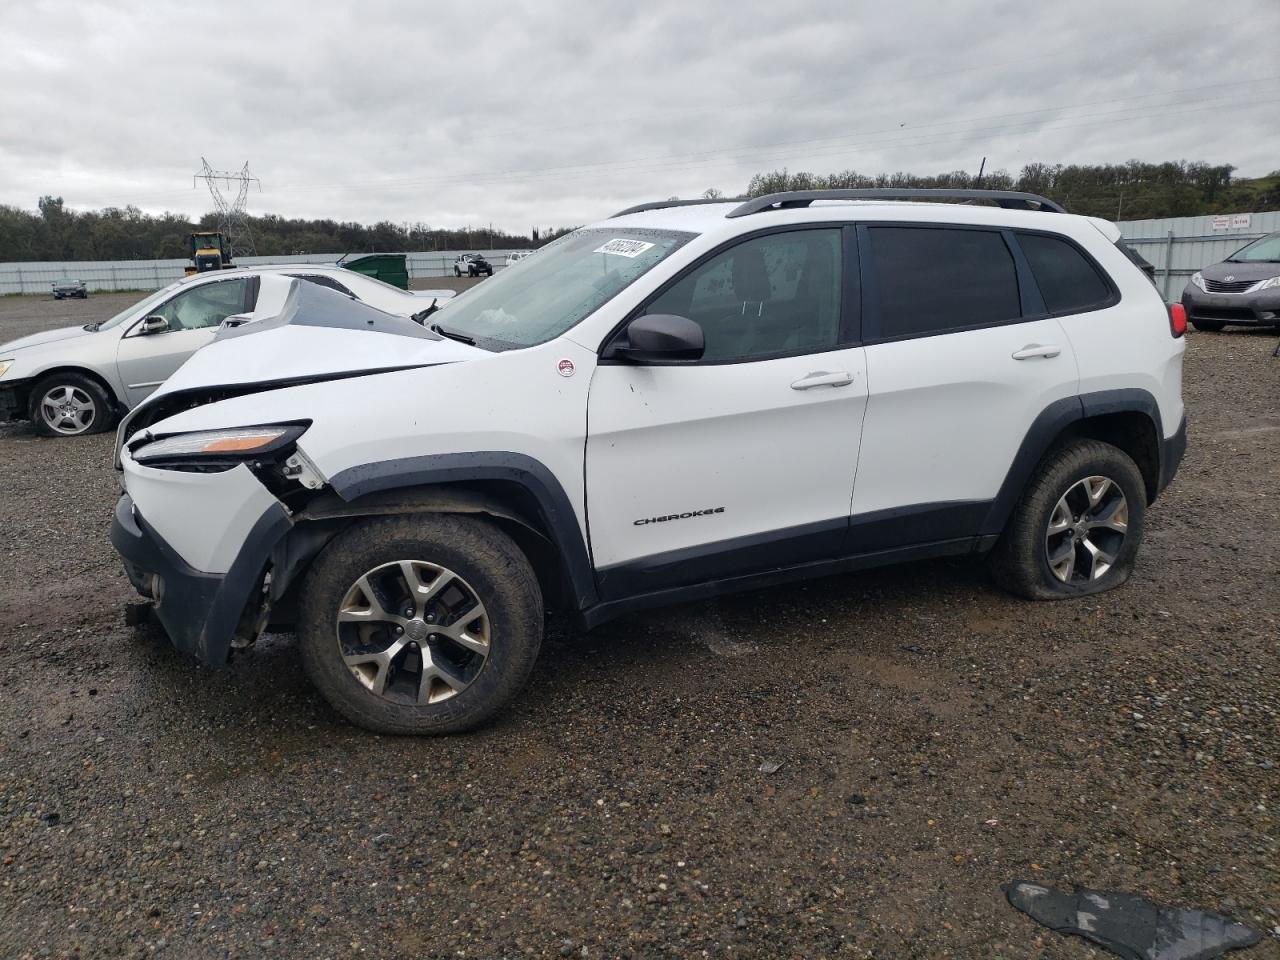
(624, 248)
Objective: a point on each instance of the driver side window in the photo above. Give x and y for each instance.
(204, 306)
(770, 295)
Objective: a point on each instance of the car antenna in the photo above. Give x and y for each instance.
(341, 258)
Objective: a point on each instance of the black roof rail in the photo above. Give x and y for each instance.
(663, 204)
(1009, 199)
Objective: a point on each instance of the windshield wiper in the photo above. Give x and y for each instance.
(452, 334)
(93, 327)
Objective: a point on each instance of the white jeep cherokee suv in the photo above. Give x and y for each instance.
(683, 400)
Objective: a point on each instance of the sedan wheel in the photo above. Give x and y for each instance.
(68, 410)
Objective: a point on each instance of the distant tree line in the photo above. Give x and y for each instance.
(54, 232)
(1125, 191)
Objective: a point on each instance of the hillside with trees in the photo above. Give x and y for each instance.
(1126, 191)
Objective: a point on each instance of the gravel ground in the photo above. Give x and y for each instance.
(936, 738)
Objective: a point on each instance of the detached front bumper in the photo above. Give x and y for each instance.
(1254, 309)
(199, 611)
(13, 402)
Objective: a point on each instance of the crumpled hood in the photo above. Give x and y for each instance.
(1241, 271)
(40, 339)
(318, 335)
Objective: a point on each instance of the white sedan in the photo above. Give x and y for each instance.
(77, 380)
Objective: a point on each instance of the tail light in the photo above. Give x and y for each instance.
(1177, 319)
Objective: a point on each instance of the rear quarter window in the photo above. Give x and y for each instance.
(1068, 282)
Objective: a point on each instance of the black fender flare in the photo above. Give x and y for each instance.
(1049, 425)
(555, 510)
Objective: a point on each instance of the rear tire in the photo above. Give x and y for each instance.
(1077, 527)
(70, 405)
(1208, 326)
(389, 672)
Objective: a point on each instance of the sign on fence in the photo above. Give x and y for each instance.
(1232, 221)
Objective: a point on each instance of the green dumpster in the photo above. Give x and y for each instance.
(387, 267)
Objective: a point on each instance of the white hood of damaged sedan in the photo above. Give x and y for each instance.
(44, 337)
(318, 335)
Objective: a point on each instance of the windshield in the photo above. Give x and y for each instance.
(131, 310)
(541, 297)
(1264, 250)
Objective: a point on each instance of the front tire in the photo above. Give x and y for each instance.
(1077, 527)
(1208, 326)
(457, 272)
(420, 625)
(70, 405)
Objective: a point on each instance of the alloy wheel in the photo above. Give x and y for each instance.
(1087, 530)
(67, 410)
(413, 632)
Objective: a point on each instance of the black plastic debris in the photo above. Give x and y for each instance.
(1131, 927)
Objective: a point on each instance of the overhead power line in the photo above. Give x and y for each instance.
(839, 145)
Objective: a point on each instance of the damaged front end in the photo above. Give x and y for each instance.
(206, 526)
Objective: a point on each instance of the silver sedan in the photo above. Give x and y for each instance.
(78, 380)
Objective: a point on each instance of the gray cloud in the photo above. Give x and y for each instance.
(522, 114)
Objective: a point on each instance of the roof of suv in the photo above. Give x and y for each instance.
(712, 218)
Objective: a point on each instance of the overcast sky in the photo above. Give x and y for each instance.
(526, 114)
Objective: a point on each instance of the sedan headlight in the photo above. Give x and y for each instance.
(4, 366)
(1266, 285)
(1198, 280)
(218, 447)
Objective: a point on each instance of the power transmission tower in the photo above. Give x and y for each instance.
(232, 215)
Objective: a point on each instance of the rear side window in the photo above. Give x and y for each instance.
(937, 279)
(1068, 282)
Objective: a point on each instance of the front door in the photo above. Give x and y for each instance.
(146, 360)
(743, 461)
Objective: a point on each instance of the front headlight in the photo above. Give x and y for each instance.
(1198, 280)
(1266, 285)
(4, 366)
(218, 447)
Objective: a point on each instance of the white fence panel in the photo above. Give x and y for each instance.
(113, 275)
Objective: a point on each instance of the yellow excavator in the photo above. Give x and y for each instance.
(209, 251)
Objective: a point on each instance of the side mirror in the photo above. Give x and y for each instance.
(657, 338)
(153, 324)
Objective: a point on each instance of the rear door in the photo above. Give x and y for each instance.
(743, 461)
(961, 358)
(146, 360)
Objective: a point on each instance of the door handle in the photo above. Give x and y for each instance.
(821, 378)
(1034, 350)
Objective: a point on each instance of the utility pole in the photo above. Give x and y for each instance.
(983, 166)
(232, 215)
